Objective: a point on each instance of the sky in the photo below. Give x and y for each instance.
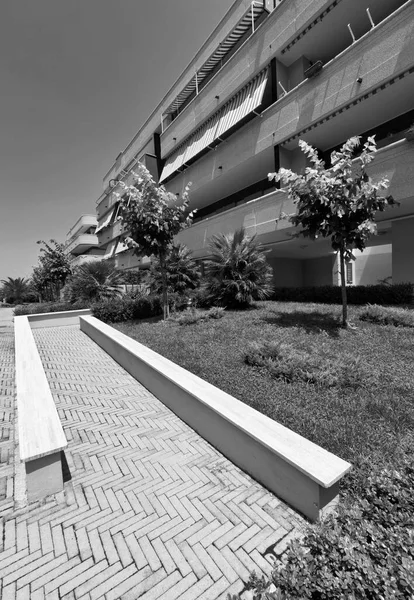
(77, 79)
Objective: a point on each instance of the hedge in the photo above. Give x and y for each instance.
(398, 293)
(127, 308)
(34, 309)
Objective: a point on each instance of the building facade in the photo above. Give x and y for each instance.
(82, 243)
(271, 73)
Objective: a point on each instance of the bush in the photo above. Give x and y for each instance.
(398, 293)
(33, 309)
(200, 298)
(366, 551)
(399, 317)
(194, 316)
(314, 365)
(237, 272)
(127, 308)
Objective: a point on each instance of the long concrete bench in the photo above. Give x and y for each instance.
(295, 469)
(41, 436)
(57, 319)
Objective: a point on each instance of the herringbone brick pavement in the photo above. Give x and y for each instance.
(151, 510)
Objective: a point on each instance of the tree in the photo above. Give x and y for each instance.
(151, 219)
(237, 272)
(182, 271)
(53, 270)
(96, 280)
(15, 290)
(339, 203)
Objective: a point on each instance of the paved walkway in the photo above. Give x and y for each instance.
(151, 511)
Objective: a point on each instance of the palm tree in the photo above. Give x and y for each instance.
(182, 271)
(237, 272)
(14, 290)
(96, 280)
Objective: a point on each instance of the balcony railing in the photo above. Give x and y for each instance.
(260, 217)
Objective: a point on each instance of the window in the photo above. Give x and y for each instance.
(349, 272)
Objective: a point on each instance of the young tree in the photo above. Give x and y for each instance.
(339, 203)
(182, 271)
(53, 270)
(151, 219)
(237, 272)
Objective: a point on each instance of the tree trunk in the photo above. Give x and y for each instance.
(343, 288)
(163, 267)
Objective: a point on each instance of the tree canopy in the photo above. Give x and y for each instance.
(339, 203)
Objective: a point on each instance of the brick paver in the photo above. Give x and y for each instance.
(151, 509)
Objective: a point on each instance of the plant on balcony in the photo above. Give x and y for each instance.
(237, 272)
(53, 269)
(151, 218)
(93, 281)
(339, 203)
(183, 273)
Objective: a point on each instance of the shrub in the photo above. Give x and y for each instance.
(237, 272)
(127, 308)
(366, 551)
(33, 309)
(182, 271)
(93, 281)
(194, 316)
(399, 293)
(200, 298)
(399, 317)
(313, 365)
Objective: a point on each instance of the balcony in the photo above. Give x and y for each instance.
(82, 224)
(109, 233)
(259, 216)
(326, 39)
(324, 111)
(82, 244)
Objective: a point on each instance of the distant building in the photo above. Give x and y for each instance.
(82, 244)
(273, 72)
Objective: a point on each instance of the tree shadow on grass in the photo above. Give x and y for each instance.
(311, 322)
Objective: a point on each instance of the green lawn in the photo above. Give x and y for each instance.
(365, 422)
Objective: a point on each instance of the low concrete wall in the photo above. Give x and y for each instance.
(41, 436)
(56, 319)
(298, 471)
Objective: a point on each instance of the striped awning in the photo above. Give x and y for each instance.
(246, 101)
(106, 221)
(202, 138)
(253, 13)
(121, 247)
(110, 249)
(243, 103)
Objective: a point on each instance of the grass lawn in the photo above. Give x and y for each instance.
(365, 421)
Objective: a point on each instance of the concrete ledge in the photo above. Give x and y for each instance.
(295, 469)
(56, 319)
(41, 436)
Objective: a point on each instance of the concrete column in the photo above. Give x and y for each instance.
(403, 251)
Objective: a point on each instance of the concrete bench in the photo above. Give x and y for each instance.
(57, 319)
(295, 469)
(41, 436)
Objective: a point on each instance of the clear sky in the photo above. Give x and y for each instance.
(77, 78)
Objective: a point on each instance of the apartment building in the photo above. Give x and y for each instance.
(271, 73)
(82, 243)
